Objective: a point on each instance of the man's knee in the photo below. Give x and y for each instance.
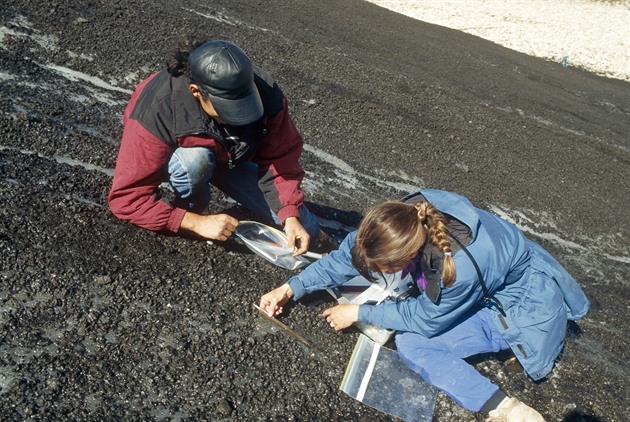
(191, 169)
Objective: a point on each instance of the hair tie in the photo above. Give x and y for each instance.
(448, 254)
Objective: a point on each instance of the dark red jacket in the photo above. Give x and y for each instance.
(162, 115)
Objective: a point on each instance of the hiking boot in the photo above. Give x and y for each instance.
(323, 243)
(513, 410)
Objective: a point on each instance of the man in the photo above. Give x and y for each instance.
(211, 117)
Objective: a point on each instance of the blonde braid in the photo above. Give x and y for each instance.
(438, 238)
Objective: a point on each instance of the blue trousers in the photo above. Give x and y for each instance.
(192, 170)
(440, 360)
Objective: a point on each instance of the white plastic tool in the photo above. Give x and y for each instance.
(373, 293)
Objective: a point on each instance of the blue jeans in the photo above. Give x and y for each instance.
(191, 170)
(440, 360)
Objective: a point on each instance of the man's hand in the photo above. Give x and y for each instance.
(272, 302)
(341, 316)
(215, 226)
(297, 236)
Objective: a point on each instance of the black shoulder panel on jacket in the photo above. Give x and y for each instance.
(414, 198)
(270, 93)
(153, 109)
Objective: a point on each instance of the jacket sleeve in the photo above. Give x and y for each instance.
(280, 173)
(420, 315)
(332, 270)
(140, 168)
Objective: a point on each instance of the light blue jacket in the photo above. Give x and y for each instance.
(538, 295)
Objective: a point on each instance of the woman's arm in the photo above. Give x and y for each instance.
(422, 316)
(331, 270)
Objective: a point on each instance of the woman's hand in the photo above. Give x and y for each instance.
(297, 236)
(272, 302)
(341, 316)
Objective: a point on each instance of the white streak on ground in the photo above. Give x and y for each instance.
(220, 17)
(585, 252)
(64, 160)
(74, 76)
(351, 177)
(622, 259)
(49, 42)
(546, 122)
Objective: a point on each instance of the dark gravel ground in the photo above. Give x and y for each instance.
(100, 320)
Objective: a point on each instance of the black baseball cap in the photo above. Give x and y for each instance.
(226, 75)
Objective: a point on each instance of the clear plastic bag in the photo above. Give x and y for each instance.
(377, 377)
(270, 243)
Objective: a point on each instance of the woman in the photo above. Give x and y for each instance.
(483, 287)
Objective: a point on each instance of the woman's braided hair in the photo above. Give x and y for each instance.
(434, 221)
